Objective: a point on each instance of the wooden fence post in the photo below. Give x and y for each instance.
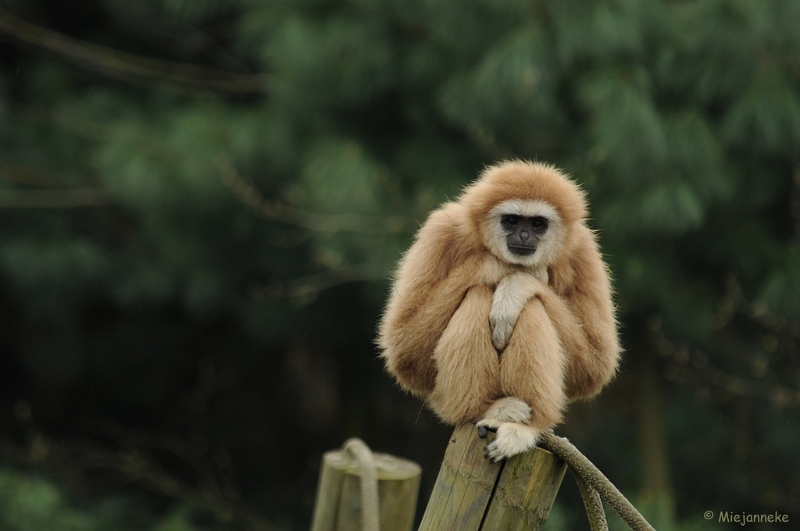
(472, 494)
(338, 503)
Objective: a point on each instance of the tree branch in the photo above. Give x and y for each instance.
(248, 194)
(305, 289)
(68, 198)
(28, 175)
(123, 65)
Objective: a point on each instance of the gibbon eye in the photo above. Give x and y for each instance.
(511, 220)
(539, 223)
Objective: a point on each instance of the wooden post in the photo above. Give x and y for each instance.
(338, 504)
(471, 494)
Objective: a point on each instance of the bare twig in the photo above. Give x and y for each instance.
(123, 65)
(131, 463)
(737, 386)
(95, 131)
(794, 203)
(28, 175)
(67, 198)
(308, 287)
(179, 36)
(692, 365)
(248, 194)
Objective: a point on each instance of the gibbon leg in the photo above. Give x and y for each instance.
(532, 366)
(468, 369)
(532, 370)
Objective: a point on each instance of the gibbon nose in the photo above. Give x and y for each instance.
(523, 235)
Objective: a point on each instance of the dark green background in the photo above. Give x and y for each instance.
(202, 202)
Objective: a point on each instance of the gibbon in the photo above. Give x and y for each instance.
(501, 311)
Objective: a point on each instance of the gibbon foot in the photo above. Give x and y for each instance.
(512, 439)
(508, 409)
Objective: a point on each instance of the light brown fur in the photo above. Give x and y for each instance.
(436, 334)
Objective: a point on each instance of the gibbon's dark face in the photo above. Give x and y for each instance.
(523, 233)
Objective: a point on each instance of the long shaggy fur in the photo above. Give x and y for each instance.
(468, 324)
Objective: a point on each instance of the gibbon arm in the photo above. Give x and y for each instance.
(580, 307)
(433, 279)
(511, 295)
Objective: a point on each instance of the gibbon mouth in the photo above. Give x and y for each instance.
(522, 250)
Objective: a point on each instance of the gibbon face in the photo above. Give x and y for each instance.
(525, 233)
(524, 212)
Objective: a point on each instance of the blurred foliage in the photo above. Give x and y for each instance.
(32, 503)
(192, 271)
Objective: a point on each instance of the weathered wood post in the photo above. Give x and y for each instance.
(339, 499)
(472, 494)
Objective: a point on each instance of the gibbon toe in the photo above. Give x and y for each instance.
(484, 430)
(486, 425)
